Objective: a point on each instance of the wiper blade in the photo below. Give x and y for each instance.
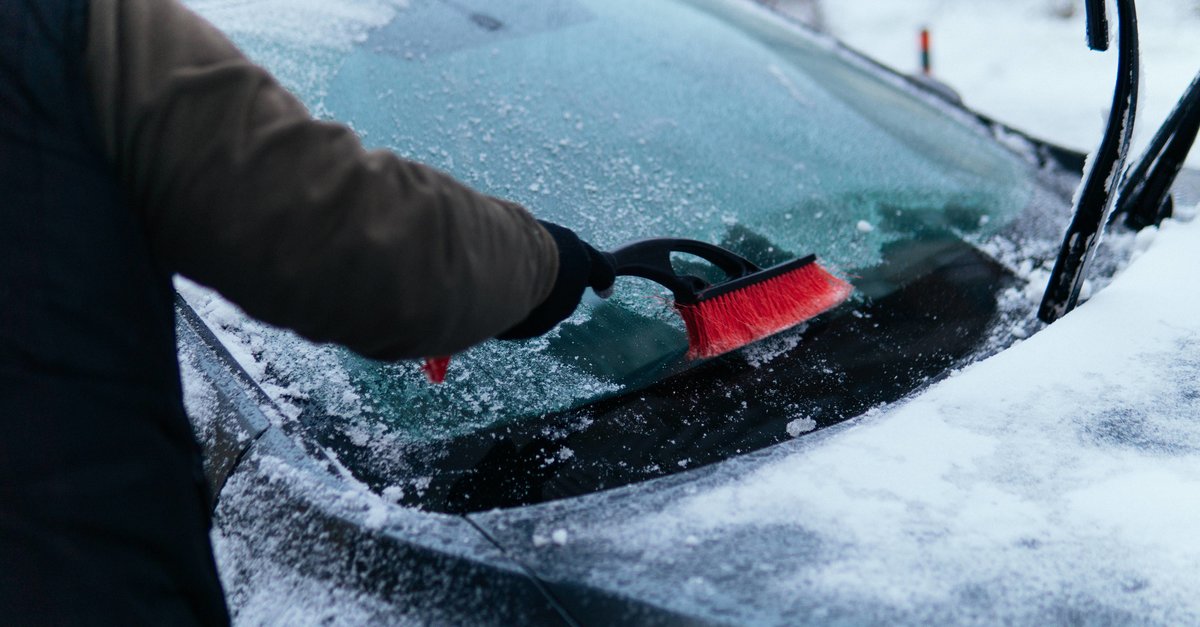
(1098, 192)
(1145, 197)
(1097, 25)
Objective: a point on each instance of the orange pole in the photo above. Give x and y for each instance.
(926, 62)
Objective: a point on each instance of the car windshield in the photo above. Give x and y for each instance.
(625, 119)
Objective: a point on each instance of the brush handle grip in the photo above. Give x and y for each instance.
(651, 259)
(648, 259)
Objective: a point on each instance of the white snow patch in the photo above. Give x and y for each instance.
(800, 426)
(767, 350)
(1068, 464)
(280, 595)
(1023, 63)
(393, 493)
(377, 514)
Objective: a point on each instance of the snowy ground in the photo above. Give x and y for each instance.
(1026, 65)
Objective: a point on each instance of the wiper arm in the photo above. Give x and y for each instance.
(1097, 194)
(1145, 193)
(1097, 24)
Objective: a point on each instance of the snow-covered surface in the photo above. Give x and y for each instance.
(1026, 64)
(296, 546)
(1058, 481)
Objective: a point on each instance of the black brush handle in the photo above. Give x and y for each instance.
(651, 259)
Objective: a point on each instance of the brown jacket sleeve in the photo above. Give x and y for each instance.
(290, 218)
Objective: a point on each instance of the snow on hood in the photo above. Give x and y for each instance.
(1056, 481)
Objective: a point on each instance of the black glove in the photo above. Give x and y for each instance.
(579, 266)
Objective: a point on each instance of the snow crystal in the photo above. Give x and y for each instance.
(864, 227)
(377, 515)
(767, 350)
(800, 426)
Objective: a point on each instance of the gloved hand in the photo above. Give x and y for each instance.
(579, 266)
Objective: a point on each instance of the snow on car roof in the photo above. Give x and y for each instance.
(1057, 480)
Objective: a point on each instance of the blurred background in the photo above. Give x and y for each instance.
(1024, 62)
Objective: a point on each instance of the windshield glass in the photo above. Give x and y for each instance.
(625, 119)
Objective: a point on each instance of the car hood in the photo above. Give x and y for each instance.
(1057, 480)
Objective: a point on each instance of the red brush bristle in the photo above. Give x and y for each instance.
(435, 368)
(735, 319)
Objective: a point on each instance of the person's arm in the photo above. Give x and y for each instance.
(290, 218)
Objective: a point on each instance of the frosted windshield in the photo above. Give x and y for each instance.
(625, 119)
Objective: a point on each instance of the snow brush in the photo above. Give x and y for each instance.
(750, 304)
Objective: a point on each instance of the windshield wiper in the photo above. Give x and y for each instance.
(1097, 194)
(1145, 197)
